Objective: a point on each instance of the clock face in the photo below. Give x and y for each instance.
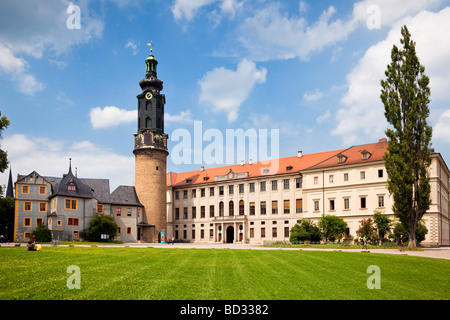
(148, 96)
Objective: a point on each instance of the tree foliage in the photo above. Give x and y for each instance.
(305, 230)
(406, 94)
(42, 234)
(4, 123)
(383, 224)
(101, 224)
(332, 227)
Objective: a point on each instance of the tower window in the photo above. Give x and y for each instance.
(157, 168)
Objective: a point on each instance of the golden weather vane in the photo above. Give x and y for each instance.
(151, 49)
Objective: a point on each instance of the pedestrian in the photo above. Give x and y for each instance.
(400, 242)
(364, 242)
(30, 246)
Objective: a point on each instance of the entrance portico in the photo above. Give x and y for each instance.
(230, 229)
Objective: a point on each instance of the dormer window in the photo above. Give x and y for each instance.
(71, 187)
(188, 180)
(341, 158)
(205, 178)
(365, 154)
(289, 168)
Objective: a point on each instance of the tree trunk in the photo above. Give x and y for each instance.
(412, 236)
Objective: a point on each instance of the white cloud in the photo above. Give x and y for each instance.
(111, 116)
(320, 119)
(133, 46)
(186, 9)
(16, 69)
(441, 130)
(27, 28)
(50, 157)
(316, 95)
(225, 90)
(362, 115)
(184, 116)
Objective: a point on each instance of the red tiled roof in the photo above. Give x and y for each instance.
(283, 165)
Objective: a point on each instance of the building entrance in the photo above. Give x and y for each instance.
(230, 234)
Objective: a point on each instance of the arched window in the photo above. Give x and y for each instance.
(221, 209)
(148, 122)
(231, 208)
(241, 207)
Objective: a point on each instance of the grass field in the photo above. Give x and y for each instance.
(222, 274)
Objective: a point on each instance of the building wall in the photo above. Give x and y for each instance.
(126, 221)
(351, 191)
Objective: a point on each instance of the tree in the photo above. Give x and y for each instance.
(7, 217)
(401, 229)
(366, 229)
(4, 123)
(405, 94)
(305, 230)
(383, 224)
(101, 224)
(42, 234)
(332, 227)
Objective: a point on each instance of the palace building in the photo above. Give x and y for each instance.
(252, 202)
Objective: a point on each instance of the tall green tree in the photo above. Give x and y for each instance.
(332, 227)
(4, 123)
(406, 94)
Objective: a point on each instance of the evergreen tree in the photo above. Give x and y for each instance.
(406, 94)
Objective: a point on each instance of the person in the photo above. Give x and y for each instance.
(364, 242)
(400, 242)
(30, 246)
(38, 246)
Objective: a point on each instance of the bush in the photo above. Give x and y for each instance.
(42, 234)
(101, 224)
(304, 230)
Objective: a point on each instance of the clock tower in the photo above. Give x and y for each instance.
(150, 150)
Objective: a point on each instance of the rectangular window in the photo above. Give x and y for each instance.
(27, 206)
(177, 213)
(118, 211)
(286, 232)
(316, 205)
(73, 221)
(193, 234)
(185, 212)
(241, 188)
(287, 206)
(202, 211)
(99, 208)
(362, 175)
(332, 205)
(128, 230)
(76, 234)
(363, 203)
(42, 190)
(380, 173)
(221, 191)
(346, 203)
(211, 211)
(345, 176)
(263, 207)
(129, 212)
(274, 232)
(185, 194)
(202, 192)
(231, 189)
(275, 207)
(25, 189)
(286, 184)
(71, 204)
(211, 191)
(194, 193)
(42, 206)
(299, 183)
(263, 232)
(262, 186)
(252, 187)
(380, 201)
(177, 195)
(331, 178)
(252, 209)
(194, 212)
(299, 205)
(71, 187)
(274, 185)
(202, 234)
(316, 180)
(27, 222)
(252, 232)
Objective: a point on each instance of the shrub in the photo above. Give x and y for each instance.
(42, 234)
(101, 224)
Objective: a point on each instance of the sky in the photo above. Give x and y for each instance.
(291, 75)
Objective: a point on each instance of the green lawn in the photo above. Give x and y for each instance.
(223, 274)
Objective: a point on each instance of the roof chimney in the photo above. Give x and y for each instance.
(202, 168)
(242, 163)
(251, 161)
(382, 140)
(299, 154)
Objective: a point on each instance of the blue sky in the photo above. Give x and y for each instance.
(309, 70)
